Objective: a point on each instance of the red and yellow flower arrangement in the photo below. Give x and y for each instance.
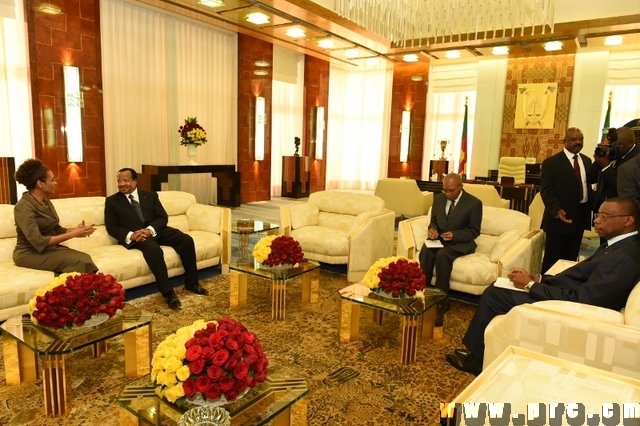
(274, 250)
(71, 299)
(210, 361)
(396, 275)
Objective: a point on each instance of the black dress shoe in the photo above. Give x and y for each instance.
(173, 301)
(464, 363)
(197, 289)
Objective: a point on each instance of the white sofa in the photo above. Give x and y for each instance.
(341, 227)
(210, 227)
(403, 197)
(505, 242)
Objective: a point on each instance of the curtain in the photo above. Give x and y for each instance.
(357, 130)
(624, 104)
(159, 69)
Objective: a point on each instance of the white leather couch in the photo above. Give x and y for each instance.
(505, 242)
(341, 227)
(210, 227)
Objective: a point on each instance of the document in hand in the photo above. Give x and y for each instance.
(433, 243)
(503, 282)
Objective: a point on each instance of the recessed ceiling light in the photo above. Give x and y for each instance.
(373, 61)
(452, 54)
(416, 77)
(351, 53)
(410, 58)
(211, 3)
(261, 72)
(258, 18)
(261, 63)
(48, 8)
(500, 50)
(295, 32)
(552, 46)
(326, 43)
(613, 40)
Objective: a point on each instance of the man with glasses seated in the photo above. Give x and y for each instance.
(604, 279)
(456, 217)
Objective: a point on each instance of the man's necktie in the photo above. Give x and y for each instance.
(136, 207)
(576, 168)
(451, 206)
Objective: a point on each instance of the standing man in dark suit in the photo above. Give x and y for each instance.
(138, 221)
(628, 176)
(456, 217)
(604, 279)
(566, 197)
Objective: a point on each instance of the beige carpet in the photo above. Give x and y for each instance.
(384, 392)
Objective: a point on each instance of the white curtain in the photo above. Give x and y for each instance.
(159, 69)
(287, 101)
(624, 104)
(358, 127)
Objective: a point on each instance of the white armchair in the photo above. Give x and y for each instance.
(340, 227)
(514, 167)
(488, 194)
(403, 196)
(505, 242)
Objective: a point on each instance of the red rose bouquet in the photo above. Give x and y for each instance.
(274, 250)
(395, 275)
(212, 361)
(71, 299)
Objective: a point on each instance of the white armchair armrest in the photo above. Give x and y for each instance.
(202, 217)
(368, 242)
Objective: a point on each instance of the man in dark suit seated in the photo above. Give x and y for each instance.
(456, 217)
(604, 279)
(137, 220)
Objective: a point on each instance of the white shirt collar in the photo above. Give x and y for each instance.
(614, 240)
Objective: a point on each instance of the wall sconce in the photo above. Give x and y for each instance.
(405, 132)
(319, 132)
(73, 105)
(261, 120)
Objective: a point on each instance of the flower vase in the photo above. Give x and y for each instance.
(191, 153)
(205, 416)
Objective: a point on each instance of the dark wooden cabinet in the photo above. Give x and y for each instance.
(296, 175)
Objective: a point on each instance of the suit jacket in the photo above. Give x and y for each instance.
(120, 218)
(607, 180)
(604, 279)
(629, 179)
(560, 189)
(464, 221)
(35, 224)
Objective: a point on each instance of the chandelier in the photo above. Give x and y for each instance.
(418, 22)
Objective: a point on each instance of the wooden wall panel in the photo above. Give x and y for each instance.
(8, 191)
(316, 84)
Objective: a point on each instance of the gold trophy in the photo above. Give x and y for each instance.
(443, 147)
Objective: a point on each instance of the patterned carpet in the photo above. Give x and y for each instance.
(384, 392)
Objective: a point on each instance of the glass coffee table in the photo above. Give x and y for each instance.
(308, 269)
(279, 399)
(25, 344)
(245, 228)
(416, 316)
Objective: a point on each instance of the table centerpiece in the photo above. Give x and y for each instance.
(396, 277)
(277, 252)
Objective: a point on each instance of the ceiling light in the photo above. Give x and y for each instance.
(552, 46)
(452, 54)
(410, 58)
(326, 43)
(373, 61)
(295, 32)
(351, 53)
(211, 3)
(261, 72)
(48, 8)
(261, 63)
(500, 50)
(416, 78)
(613, 40)
(258, 18)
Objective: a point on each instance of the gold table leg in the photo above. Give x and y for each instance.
(296, 415)
(310, 286)
(137, 352)
(243, 247)
(20, 362)
(348, 321)
(278, 299)
(237, 289)
(56, 385)
(377, 316)
(408, 338)
(99, 348)
(428, 325)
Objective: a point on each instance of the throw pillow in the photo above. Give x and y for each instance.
(305, 214)
(503, 243)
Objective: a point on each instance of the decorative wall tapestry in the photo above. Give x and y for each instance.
(536, 105)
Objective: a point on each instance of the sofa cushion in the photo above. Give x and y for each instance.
(72, 211)
(503, 243)
(632, 309)
(582, 310)
(304, 214)
(342, 222)
(100, 238)
(484, 243)
(496, 221)
(19, 284)
(7, 224)
(7, 245)
(322, 240)
(176, 202)
(475, 269)
(342, 202)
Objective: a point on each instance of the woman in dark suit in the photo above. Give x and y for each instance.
(38, 226)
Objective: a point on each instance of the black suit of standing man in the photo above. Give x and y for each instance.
(567, 200)
(149, 232)
(457, 227)
(604, 279)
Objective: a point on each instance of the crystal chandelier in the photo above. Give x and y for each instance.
(418, 22)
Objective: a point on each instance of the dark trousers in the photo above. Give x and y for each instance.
(442, 259)
(494, 301)
(183, 244)
(561, 246)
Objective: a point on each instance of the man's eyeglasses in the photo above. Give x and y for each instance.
(605, 216)
(450, 191)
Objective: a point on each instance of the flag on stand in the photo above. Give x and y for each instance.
(607, 119)
(463, 145)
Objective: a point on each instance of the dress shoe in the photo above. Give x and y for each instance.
(173, 301)
(464, 363)
(197, 289)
